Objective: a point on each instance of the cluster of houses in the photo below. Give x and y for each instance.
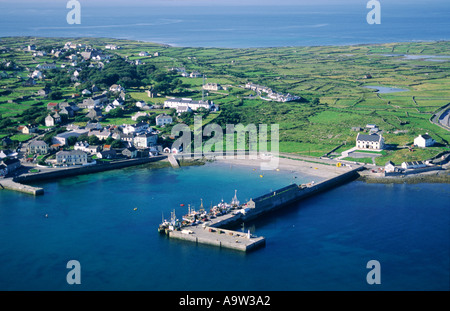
(182, 71)
(140, 141)
(375, 141)
(271, 95)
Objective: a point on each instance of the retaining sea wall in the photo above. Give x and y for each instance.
(74, 171)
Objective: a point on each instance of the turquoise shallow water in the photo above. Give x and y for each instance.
(323, 243)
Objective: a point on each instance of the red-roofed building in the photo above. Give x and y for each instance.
(52, 106)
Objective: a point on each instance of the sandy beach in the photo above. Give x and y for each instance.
(323, 171)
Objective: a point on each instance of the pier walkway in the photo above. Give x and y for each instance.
(9, 184)
(211, 232)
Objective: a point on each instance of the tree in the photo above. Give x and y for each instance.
(71, 140)
(315, 101)
(93, 140)
(56, 95)
(116, 113)
(117, 143)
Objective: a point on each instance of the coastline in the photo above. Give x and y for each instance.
(321, 171)
(325, 171)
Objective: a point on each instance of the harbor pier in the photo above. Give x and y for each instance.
(9, 184)
(209, 229)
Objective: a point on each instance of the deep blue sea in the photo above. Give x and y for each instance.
(211, 25)
(322, 243)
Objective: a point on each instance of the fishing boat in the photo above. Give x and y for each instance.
(193, 217)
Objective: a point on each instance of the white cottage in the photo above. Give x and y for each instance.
(163, 119)
(424, 141)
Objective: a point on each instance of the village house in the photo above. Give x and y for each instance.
(130, 152)
(52, 120)
(183, 109)
(61, 139)
(192, 104)
(46, 66)
(67, 110)
(52, 106)
(100, 99)
(81, 145)
(73, 157)
(143, 54)
(129, 138)
(413, 165)
(389, 167)
(115, 88)
(112, 47)
(373, 141)
(102, 135)
(135, 128)
(163, 119)
(145, 140)
(212, 87)
(107, 154)
(44, 92)
(7, 153)
(84, 146)
(258, 88)
(9, 165)
(195, 74)
(117, 103)
(37, 75)
(109, 107)
(28, 129)
(86, 55)
(37, 146)
(39, 54)
(86, 92)
(95, 114)
(424, 141)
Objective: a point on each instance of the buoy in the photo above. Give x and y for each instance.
(261, 176)
(181, 204)
(46, 215)
(135, 208)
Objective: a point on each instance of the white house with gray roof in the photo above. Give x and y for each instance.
(424, 141)
(73, 157)
(373, 141)
(192, 104)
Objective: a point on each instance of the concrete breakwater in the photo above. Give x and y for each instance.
(213, 232)
(9, 184)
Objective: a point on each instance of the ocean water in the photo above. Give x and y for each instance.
(211, 25)
(322, 243)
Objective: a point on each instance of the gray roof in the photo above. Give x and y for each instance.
(372, 137)
(71, 152)
(38, 143)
